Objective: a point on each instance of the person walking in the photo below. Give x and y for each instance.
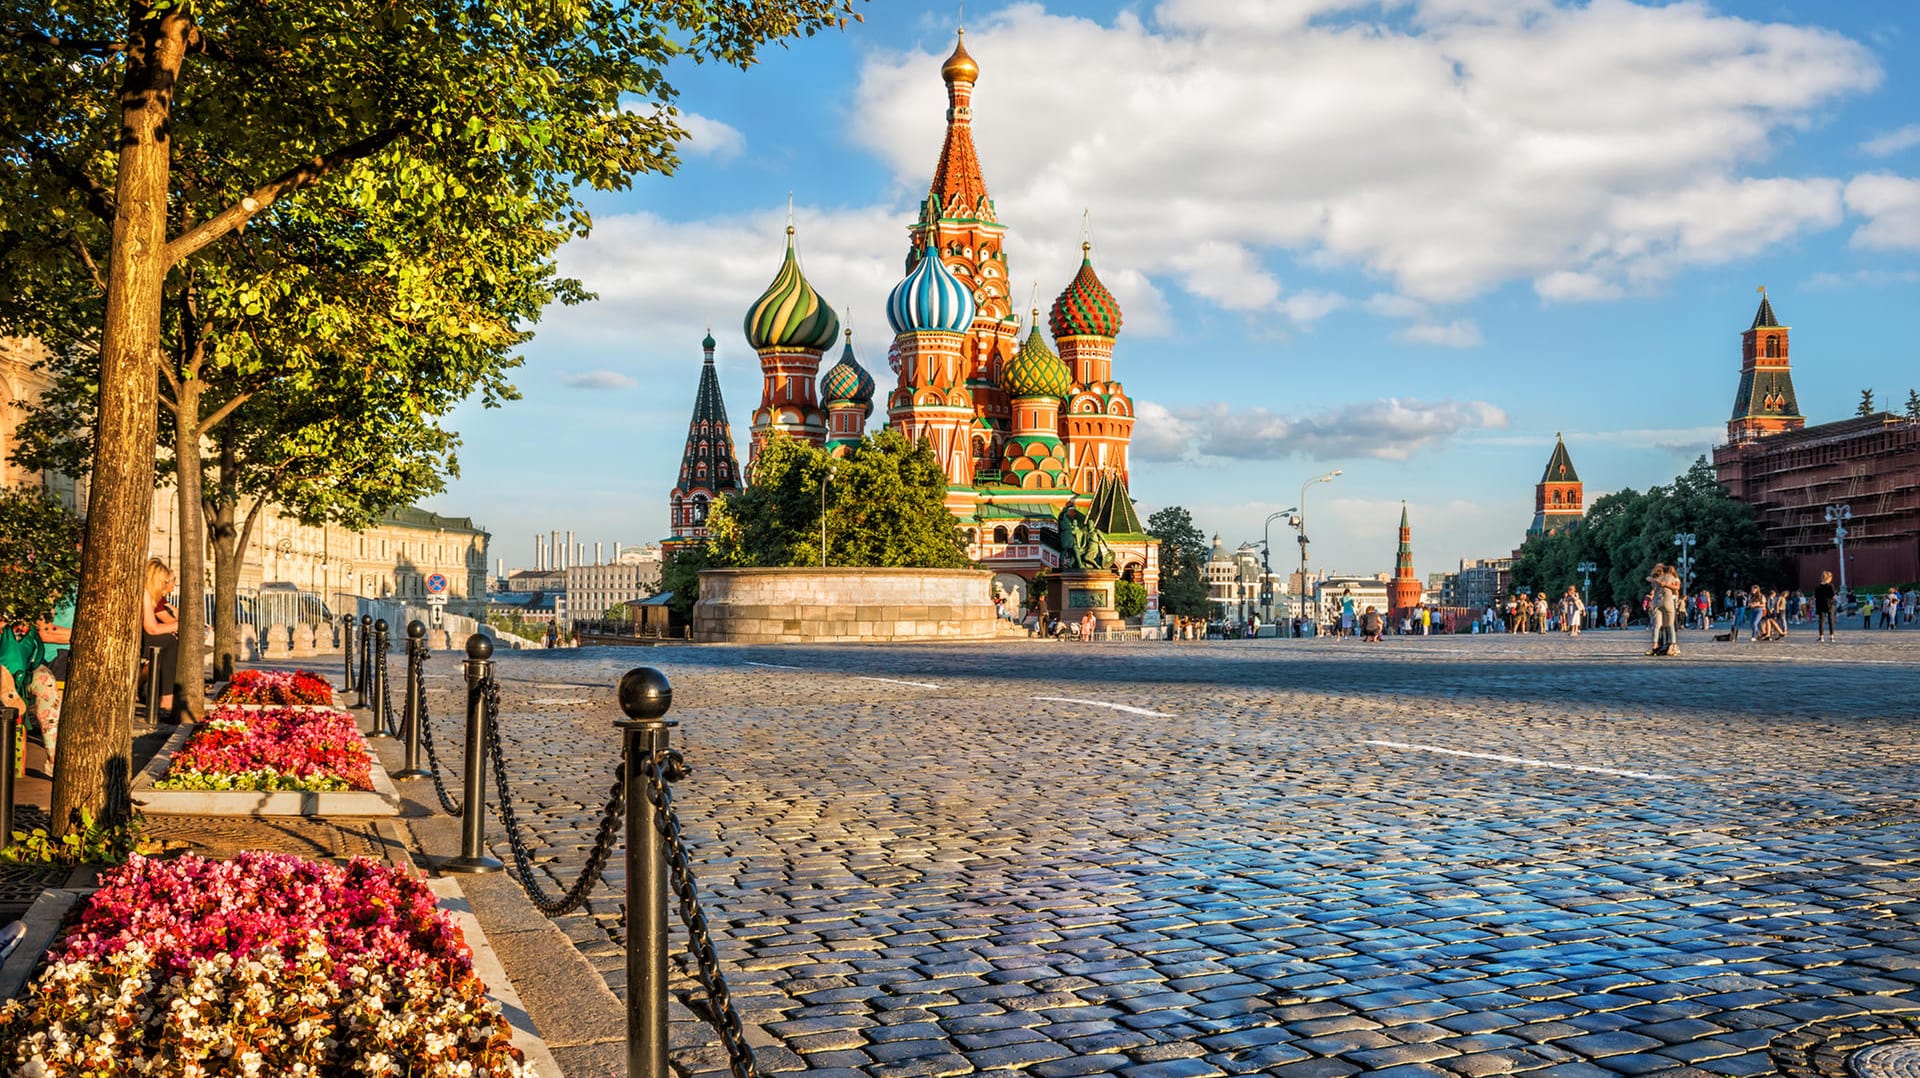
(1890, 610)
(1663, 607)
(1825, 605)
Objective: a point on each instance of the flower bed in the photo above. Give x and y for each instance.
(264, 965)
(274, 749)
(277, 687)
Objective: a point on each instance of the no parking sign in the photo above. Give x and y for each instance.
(437, 584)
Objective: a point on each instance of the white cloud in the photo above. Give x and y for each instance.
(1861, 278)
(1386, 429)
(1459, 333)
(1893, 142)
(708, 137)
(600, 380)
(1891, 205)
(1447, 146)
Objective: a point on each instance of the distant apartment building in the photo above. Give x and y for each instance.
(632, 575)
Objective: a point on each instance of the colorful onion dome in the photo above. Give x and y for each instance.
(1086, 308)
(790, 314)
(960, 66)
(930, 299)
(1035, 371)
(847, 382)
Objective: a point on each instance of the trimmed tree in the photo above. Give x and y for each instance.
(885, 506)
(39, 554)
(1183, 559)
(273, 102)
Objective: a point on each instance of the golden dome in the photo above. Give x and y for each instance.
(960, 66)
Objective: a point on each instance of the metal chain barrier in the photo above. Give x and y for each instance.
(447, 803)
(603, 841)
(662, 768)
(384, 719)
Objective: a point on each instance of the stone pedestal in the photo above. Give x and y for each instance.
(1082, 590)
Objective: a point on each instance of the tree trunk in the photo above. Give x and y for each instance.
(220, 510)
(192, 701)
(92, 771)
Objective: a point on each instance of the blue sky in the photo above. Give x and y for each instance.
(1408, 240)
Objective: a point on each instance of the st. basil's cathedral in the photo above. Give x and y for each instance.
(1024, 431)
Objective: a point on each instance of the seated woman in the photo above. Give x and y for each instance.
(160, 628)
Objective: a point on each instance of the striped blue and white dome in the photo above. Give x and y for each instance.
(930, 299)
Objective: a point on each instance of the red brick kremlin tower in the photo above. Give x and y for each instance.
(1764, 403)
(708, 468)
(1404, 592)
(790, 326)
(1557, 498)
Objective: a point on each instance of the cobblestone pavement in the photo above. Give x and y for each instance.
(1441, 856)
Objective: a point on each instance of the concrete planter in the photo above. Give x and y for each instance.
(382, 800)
(811, 606)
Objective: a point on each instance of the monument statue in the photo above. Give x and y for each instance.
(1081, 544)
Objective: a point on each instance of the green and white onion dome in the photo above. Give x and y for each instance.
(1035, 371)
(930, 299)
(790, 315)
(847, 382)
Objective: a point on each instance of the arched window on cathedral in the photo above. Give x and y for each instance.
(999, 535)
(1773, 348)
(1020, 534)
(1556, 497)
(699, 509)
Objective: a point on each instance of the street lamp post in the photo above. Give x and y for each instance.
(1685, 541)
(1838, 515)
(1266, 560)
(1300, 522)
(1586, 569)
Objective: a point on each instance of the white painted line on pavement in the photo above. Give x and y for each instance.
(774, 666)
(558, 700)
(897, 681)
(1102, 703)
(1521, 760)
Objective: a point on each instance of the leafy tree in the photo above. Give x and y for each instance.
(39, 554)
(1625, 533)
(1913, 404)
(680, 574)
(1866, 404)
(1129, 599)
(885, 506)
(97, 222)
(1183, 559)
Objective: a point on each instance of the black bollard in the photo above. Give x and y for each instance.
(645, 696)
(377, 696)
(8, 717)
(410, 710)
(360, 684)
(473, 855)
(346, 645)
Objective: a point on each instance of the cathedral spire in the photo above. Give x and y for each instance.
(958, 191)
(708, 467)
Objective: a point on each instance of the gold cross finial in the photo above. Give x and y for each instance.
(1763, 290)
(789, 213)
